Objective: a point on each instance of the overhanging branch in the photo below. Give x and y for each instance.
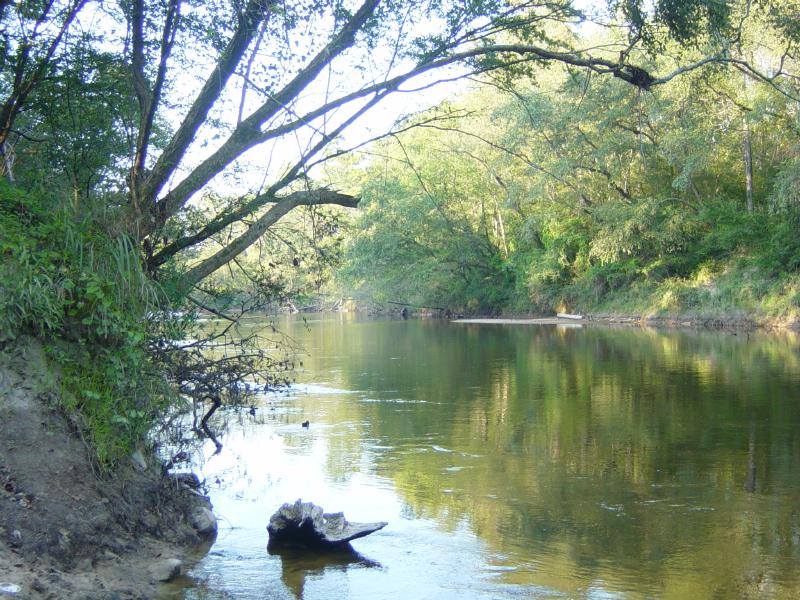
(256, 230)
(253, 205)
(254, 12)
(248, 132)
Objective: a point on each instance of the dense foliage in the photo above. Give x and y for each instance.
(578, 193)
(66, 281)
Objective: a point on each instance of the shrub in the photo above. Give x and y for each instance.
(86, 295)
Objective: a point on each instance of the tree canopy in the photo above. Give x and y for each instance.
(571, 192)
(147, 104)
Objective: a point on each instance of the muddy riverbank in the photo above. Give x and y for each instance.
(66, 530)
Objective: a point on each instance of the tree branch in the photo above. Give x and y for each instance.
(260, 200)
(248, 69)
(247, 134)
(246, 29)
(137, 56)
(630, 73)
(257, 229)
(149, 99)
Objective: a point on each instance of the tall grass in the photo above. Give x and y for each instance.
(84, 291)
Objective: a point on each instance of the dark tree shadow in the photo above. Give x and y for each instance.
(298, 563)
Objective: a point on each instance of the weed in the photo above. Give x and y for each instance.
(85, 293)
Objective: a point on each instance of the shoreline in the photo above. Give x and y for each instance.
(69, 532)
(665, 322)
(730, 322)
(680, 321)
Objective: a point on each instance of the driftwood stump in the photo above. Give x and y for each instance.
(305, 524)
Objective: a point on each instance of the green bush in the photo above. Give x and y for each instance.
(85, 293)
(783, 249)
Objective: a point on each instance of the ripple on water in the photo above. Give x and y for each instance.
(499, 568)
(315, 389)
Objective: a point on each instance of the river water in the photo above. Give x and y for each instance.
(518, 462)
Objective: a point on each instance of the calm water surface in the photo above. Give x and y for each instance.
(519, 462)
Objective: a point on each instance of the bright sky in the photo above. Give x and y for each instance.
(378, 121)
(272, 157)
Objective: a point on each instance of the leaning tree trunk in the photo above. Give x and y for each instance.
(748, 164)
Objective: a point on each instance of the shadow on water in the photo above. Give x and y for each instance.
(298, 564)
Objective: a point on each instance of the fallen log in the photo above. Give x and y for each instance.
(569, 316)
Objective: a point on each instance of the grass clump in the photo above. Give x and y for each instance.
(83, 291)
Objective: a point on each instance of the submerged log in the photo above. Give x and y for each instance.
(305, 524)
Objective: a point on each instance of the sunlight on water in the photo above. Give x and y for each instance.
(518, 462)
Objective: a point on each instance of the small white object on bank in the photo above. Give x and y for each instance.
(569, 316)
(9, 589)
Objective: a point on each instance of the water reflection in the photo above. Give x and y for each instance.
(299, 564)
(533, 462)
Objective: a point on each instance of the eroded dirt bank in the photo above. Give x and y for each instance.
(65, 531)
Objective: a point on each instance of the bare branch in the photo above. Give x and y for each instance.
(392, 133)
(716, 58)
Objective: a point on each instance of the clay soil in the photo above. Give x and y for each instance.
(66, 531)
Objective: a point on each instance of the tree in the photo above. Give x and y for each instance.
(306, 73)
(431, 231)
(603, 189)
(31, 36)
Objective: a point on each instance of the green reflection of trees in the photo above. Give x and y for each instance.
(663, 463)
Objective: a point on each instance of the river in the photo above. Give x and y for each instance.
(518, 461)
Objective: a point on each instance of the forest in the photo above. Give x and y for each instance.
(161, 159)
(558, 189)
